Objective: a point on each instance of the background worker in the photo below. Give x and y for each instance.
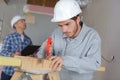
(76, 47)
(14, 43)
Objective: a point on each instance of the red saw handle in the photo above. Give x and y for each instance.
(49, 43)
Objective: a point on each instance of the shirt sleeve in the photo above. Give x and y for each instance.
(30, 41)
(41, 52)
(6, 47)
(89, 62)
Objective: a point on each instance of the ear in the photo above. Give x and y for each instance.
(14, 26)
(78, 19)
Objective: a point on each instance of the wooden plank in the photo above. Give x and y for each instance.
(102, 68)
(45, 3)
(10, 61)
(54, 76)
(36, 2)
(30, 63)
(50, 76)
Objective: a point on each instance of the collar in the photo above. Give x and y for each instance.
(17, 34)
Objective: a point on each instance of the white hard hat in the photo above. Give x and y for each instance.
(16, 19)
(65, 9)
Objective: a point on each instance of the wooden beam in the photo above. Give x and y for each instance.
(45, 3)
(102, 68)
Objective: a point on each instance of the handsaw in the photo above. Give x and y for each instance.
(48, 47)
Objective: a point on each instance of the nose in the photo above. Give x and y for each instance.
(64, 29)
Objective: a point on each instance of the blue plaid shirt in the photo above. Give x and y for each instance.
(12, 44)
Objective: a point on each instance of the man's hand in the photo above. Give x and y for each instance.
(16, 54)
(56, 62)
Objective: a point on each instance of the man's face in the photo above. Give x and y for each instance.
(70, 28)
(21, 24)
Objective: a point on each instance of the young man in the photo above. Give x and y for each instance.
(76, 47)
(14, 43)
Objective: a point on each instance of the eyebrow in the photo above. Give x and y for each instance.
(59, 25)
(64, 24)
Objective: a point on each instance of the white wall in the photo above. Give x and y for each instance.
(41, 29)
(104, 16)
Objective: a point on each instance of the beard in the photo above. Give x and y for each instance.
(75, 31)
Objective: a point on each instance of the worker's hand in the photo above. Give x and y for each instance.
(32, 55)
(56, 62)
(16, 54)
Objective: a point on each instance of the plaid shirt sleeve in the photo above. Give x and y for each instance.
(6, 48)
